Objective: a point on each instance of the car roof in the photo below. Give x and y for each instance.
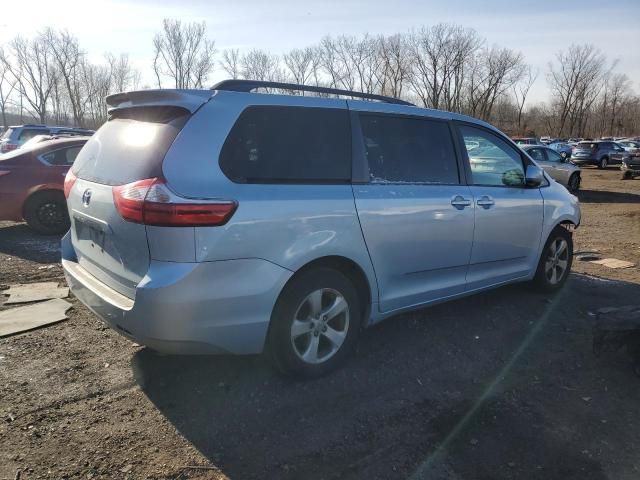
(529, 147)
(61, 141)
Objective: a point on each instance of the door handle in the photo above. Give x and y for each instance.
(485, 202)
(460, 202)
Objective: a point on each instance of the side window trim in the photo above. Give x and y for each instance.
(467, 164)
(361, 163)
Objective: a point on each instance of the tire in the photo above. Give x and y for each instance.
(604, 163)
(563, 155)
(298, 327)
(46, 213)
(573, 185)
(627, 175)
(550, 262)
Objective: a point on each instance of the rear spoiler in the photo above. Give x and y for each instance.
(188, 99)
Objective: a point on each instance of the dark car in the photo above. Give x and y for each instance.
(600, 153)
(32, 183)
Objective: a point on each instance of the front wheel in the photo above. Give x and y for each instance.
(315, 323)
(556, 259)
(574, 183)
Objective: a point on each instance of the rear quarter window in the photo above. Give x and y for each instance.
(276, 144)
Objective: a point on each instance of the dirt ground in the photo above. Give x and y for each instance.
(501, 385)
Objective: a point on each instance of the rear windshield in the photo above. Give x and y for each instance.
(588, 145)
(7, 134)
(29, 133)
(130, 146)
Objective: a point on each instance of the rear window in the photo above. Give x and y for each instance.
(7, 134)
(590, 145)
(130, 146)
(29, 133)
(271, 144)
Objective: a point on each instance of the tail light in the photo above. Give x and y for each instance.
(69, 180)
(151, 202)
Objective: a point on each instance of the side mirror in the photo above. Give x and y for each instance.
(533, 176)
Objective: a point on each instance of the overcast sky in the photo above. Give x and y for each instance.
(536, 28)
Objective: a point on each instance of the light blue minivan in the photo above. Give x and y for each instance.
(229, 221)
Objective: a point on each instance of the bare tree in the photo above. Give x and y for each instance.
(494, 71)
(183, 54)
(32, 67)
(230, 62)
(521, 91)
(299, 63)
(260, 65)
(123, 76)
(66, 55)
(396, 65)
(440, 55)
(7, 86)
(575, 82)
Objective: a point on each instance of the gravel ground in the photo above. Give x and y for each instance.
(497, 386)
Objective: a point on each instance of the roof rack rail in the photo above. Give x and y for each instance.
(248, 85)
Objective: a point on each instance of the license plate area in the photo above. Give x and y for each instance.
(91, 229)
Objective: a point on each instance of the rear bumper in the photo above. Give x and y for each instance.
(584, 161)
(187, 308)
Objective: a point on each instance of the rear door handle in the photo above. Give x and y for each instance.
(485, 202)
(460, 202)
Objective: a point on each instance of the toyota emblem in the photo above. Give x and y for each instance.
(86, 197)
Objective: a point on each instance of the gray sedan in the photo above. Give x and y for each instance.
(560, 169)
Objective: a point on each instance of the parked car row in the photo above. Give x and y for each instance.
(561, 158)
(16, 136)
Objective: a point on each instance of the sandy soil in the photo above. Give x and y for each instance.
(496, 386)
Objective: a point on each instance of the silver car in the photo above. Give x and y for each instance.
(559, 168)
(227, 221)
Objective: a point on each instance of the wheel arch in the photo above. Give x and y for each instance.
(348, 267)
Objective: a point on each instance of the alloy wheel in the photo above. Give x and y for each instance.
(320, 325)
(557, 261)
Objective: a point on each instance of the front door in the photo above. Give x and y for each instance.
(508, 215)
(416, 215)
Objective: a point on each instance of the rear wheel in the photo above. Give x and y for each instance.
(315, 323)
(574, 182)
(46, 213)
(604, 163)
(556, 259)
(627, 175)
